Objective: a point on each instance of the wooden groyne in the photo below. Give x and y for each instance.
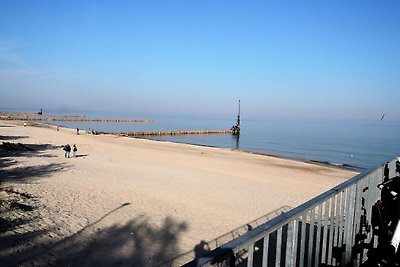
(75, 119)
(34, 117)
(29, 116)
(139, 134)
(95, 120)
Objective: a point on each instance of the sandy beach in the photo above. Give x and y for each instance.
(134, 202)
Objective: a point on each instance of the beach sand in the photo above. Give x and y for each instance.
(134, 202)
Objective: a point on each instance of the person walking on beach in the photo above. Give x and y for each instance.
(67, 150)
(74, 149)
(77, 130)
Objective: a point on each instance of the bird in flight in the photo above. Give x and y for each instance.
(383, 116)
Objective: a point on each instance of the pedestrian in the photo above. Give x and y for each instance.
(67, 150)
(74, 149)
(58, 128)
(24, 124)
(77, 130)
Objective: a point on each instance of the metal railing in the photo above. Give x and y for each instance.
(332, 229)
(223, 239)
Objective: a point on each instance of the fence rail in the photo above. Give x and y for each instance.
(223, 239)
(332, 229)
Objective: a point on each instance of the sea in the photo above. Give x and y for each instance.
(356, 145)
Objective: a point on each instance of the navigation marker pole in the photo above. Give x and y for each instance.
(236, 128)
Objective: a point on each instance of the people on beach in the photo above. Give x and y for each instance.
(67, 150)
(24, 124)
(77, 130)
(74, 149)
(58, 128)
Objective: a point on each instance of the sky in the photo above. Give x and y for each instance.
(283, 59)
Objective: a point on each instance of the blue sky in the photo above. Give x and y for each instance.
(283, 59)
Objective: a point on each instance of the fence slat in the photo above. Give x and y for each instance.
(291, 248)
(345, 228)
(278, 247)
(331, 229)
(296, 234)
(349, 224)
(318, 239)
(265, 251)
(303, 239)
(337, 224)
(311, 238)
(250, 256)
(341, 219)
(325, 232)
(289, 244)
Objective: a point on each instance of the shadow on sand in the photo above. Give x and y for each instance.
(10, 138)
(17, 208)
(28, 174)
(9, 172)
(27, 239)
(136, 243)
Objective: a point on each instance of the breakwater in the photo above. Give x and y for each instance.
(159, 133)
(35, 117)
(79, 120)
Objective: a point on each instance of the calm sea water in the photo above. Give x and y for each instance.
(355, 145)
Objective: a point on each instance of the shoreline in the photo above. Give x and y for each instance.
(342, 166)
(350, 154)
(118, 189)
(266, 154)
